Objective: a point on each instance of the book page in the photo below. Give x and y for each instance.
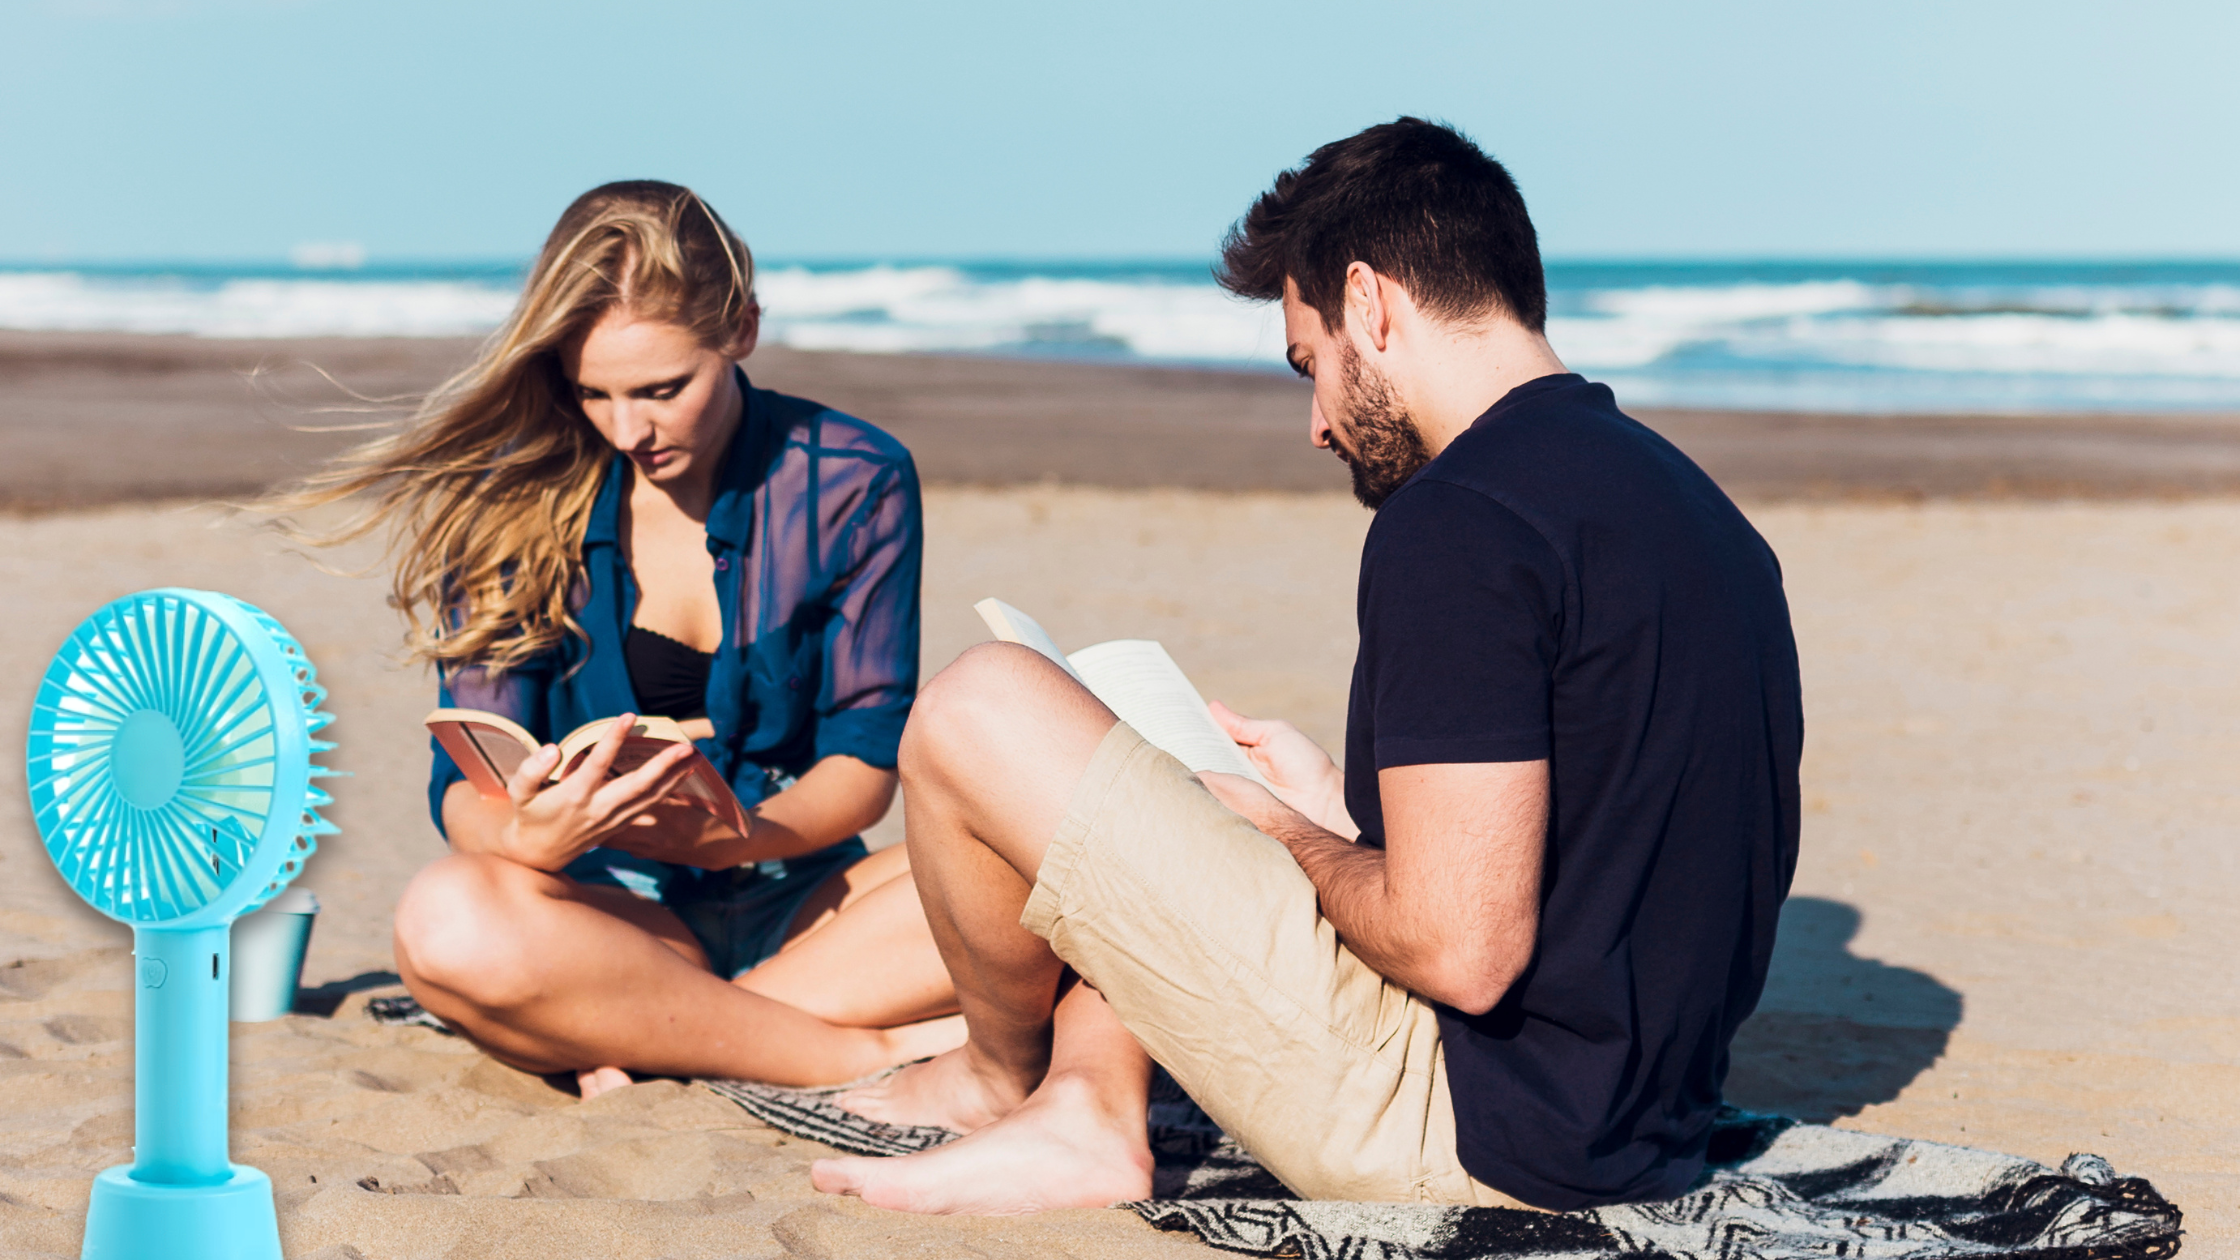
(1012, 626)
(500, 750)
(487, 748)
(647, 726)
(637, 749)
(1141, 684)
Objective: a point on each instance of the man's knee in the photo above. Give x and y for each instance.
(966, 710)
(460, 927)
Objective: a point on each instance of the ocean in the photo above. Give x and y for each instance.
(1804, 336)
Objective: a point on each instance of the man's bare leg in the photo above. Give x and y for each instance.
(1077, 1141)
(994, 748)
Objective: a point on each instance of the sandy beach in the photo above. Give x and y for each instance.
(2011, 926)
(258, 411)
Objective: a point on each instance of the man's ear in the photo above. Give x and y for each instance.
(1367, 303)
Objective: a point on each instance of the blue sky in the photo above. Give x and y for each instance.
(236, 129)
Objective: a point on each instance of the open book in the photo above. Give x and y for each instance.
(1142, 686)
(489, 747)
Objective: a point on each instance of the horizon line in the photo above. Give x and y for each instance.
(376, 263)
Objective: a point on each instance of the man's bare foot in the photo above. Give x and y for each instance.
(592, 1082)
(947, 1092)
(1059, 1149)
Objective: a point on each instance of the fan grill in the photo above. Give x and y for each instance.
(154, 836)
(309, 695)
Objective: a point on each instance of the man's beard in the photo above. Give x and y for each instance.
(1386, 449)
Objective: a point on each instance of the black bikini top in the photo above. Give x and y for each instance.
(669, 678)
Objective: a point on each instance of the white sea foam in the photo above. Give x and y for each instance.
(1907, 338)
(1666, 303)
(2109, 345)
(66, 301)
(1911, 346)
(890, 309)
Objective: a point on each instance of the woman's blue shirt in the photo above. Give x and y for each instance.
(818, 539)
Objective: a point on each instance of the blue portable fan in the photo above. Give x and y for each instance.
(170, 771)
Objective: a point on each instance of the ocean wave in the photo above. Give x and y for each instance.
(893, 309)
(1734, 302)
(2111, 345)
(249, 307)
(1915, 336)
(1911, 346)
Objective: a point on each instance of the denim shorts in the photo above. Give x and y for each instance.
(740, 915)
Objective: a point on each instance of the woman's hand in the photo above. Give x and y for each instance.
(680, 831)
(553, 824)
(837, 798)
(1303, 776)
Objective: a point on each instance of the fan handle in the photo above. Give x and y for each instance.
(181, 1198)
(179, 1068)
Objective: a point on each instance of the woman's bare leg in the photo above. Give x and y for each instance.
(547, 976)
(664, 927)
(847, 887)
(861, 954)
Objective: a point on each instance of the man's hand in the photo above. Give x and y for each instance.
(1305, 780)
(553, 825)
(1256, 804)
(1449, 908)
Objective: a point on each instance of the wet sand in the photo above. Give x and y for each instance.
(990, 422)
(2011, 926)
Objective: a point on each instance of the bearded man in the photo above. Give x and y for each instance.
(1497, 959)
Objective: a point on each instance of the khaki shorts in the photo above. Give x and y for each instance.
(1205, 937)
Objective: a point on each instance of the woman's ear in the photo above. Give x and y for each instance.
(749, 332)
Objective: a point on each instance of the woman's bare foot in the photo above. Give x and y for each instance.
(924, 1039)
(592, 1082)
(948, 1092)
(1061, 1148)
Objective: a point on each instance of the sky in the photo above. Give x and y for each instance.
(180, 130)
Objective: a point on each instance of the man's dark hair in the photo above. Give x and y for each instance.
(1415, 200)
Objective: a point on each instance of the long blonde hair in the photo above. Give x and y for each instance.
(487, 488)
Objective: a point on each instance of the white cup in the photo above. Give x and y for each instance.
(268, 949)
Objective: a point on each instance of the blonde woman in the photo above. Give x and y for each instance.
(602, 516)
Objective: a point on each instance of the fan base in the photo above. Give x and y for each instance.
(141, 1220)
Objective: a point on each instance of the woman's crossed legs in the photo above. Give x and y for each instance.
(551, 975)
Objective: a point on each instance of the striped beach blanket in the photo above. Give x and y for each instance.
(1777, 1189)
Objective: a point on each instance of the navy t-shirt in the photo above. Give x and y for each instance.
(1563, 583)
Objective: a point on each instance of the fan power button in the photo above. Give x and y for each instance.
(152, 972)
